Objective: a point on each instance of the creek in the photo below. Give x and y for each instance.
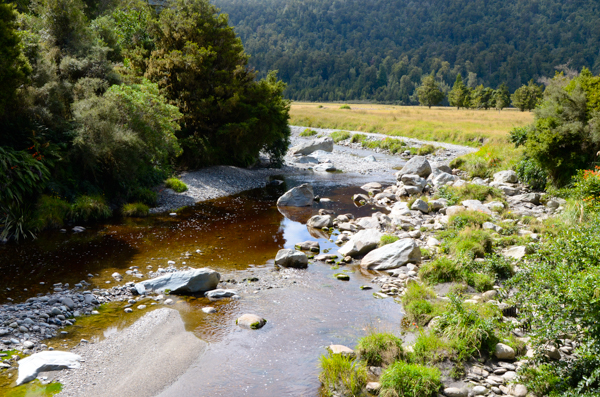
(237, 236)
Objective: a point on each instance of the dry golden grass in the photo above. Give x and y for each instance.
(444, 124)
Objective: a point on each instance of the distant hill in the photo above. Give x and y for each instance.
(379, 49)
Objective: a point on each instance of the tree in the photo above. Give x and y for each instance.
(482, 97)
(14, 67)
(429, 92)
(527, 96)
(201, 67)
(501, 97)
(458, 96)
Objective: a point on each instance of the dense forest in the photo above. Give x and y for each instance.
(379, 50)
(102, 100)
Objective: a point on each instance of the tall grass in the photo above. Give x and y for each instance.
(342, 375)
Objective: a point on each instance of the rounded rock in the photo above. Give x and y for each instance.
(251, 321)
(504, 352)
(455, 392)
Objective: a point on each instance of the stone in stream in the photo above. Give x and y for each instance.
(342, 276)
(325, 167)
(291, 258)
(361, 243)
(29, 367)
(320, 221)
(418, 165)
(304, 148)
(341, 349)
(209, 310)
(186, 282)
(117, 276)
(308, 246)
(251, 321)
(220, 294)
(300, 196)
(392, 256)
(374, 187)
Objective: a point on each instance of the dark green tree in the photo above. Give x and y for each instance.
(527, 96)
(482, 97)
(458, 96)
(429, 92)
(501, 97)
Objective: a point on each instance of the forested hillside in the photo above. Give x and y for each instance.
(349, 49)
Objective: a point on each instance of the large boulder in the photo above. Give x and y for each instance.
(444, 178)
(508, 176)
(291, 258)
(517, 252)
(30, 367)
(533, 198)
(476, 205)
(304, 148)
(185, 282)
(392, 256)
(504, 352)
(300, 196)
(361, 243)
(417, 165)
(320, 221)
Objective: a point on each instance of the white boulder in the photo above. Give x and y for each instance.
(185, 282)
(361, 243)
(392, 256)
(300, 196)
(54, 360)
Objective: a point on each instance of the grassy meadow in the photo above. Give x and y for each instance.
(444, 124)
(487, 130)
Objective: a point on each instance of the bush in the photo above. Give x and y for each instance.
(144, 195)
(388, 239)
(308, 132)
(379, 349)
(345, 107)
(339, 136)
(473, 242)
(531, 173)
(429, 348)
(410, 380)
(51, 212)
(176, 185)
(420, 304)
(426, 149)
(358, 138)
(90, 208)
(135, 210)
(441, 270)
(481, 282)
(468, 218)
(341, 374)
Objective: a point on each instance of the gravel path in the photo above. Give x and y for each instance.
(138, 361)
(220, 181)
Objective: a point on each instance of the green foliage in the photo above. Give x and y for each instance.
(472, 242)
(51, 212)
(420, 304)
(440, 270)
(558, 296)
(138, 210)
(358, 138)
(429, 348)
(531, 173)
(392, 145)
(345, 107)
(90, 208)
(470, 191)
(468, 218)
(379, 349)
(482, 97)
(459, 95)
(308, 132)
(388, 239)
(527, 96)
(501, 98)
(518, 135)
(339, 136)
(341, 374)
(481, 282)
(410, 380)
(489, 159)
(429, 92)
(22, 176)
(176, 185)
(17, 222)
(144, 195)
(201, 67)
(426, 149)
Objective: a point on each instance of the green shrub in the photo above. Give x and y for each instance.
(379, 349)
(489, 159)
(474, 242)
(342, 374)
(308, 132)
(468, 218)
(176, 185)
(17, 222)
(440, 270)
(358, 138)
(531, 173)
(420, 304)
(429, 348)
(345, 107)
(144, 195)
(426, 149)
(90, 208)
(388, 239)
(135, 210)
(339, 136)
(410, 380)
(51, 212)
(481, 282)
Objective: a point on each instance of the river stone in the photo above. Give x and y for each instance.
(533, 198)
(414, 180)
(55, 360)
(443, 179)
(495, 206)
(306, 160)
(117, 276)
(518, 390)
(291, 258)
(251, 321)
(304, 148)
(455, 392)
(308, 246)
(341, 349)
(491, 226)
(325, 167)
(517, 252)
(479, 390)
(504, 352)
(361, 243)
(220, 293)
(374, 187)
(186, 282)
(420, 205)
(209, 310)
(373, 387)
(508, 176)
(476, 205)
(320, 221)
(300, 196)
(454, 209)
(417, 165)
(392, 256)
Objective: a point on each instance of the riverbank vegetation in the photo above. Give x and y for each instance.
(100, 102)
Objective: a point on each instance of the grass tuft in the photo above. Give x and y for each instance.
(380, 349)
(135, 210)
(176, 185)
(90, 208)
(342, 375)
(410, 380)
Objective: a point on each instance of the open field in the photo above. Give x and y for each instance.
(444, 124)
